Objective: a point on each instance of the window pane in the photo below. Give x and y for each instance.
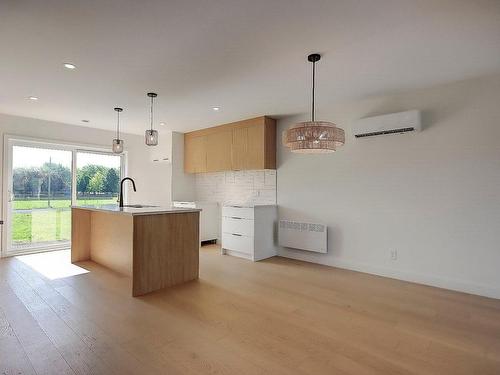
(97, 178)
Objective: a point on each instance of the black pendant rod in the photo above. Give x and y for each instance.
(313, 58)
(151, 114)
(152, 95)
(118, 110)
(313, 89)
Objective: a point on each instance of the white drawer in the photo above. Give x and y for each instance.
(242, 244)
(238, 212)
(238, 226)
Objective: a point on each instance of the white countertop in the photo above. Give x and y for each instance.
(151, 210)
(248, 205)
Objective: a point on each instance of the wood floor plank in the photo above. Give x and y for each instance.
(408, 326)
(81, 359)
(39, 349)
(13, 359)
(92, 335)
(279, 316)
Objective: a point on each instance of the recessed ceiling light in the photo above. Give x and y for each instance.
(69, 66)
(163, 123)
(85, 120)
(216, 109)
(34, 98)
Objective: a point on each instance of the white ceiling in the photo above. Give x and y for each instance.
(248, 57)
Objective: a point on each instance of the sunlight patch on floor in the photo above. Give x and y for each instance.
(53, 265)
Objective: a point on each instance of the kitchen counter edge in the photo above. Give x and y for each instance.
(137, 211)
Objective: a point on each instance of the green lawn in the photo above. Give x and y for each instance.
(42, 225)
(59, 203)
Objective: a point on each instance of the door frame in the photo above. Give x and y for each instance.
(11, 140)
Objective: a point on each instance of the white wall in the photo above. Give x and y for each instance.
(433, 196)
(152, 179)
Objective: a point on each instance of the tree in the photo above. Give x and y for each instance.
(85, 174)
(22, 181)
(82, 181)
(60, 179)
(96, 183)
(112, 180)
(34, 181)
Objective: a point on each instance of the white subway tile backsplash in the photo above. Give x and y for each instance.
(228, 177)
(237, 187)
(259, 179)
(270, 178)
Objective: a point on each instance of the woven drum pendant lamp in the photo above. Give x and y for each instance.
(313, 137)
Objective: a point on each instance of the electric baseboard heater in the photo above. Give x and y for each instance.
(303, 236)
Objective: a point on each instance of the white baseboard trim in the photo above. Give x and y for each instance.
(440, 282)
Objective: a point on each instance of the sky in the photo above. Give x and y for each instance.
(24, 157)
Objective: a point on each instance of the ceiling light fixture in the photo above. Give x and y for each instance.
(117, 142)
(151, 135)
(216, 109)
(69, 66)
(34, 98)
(313, 137)
(163, 123)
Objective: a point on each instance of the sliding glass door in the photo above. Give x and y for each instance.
(40, 198)
(42, 181)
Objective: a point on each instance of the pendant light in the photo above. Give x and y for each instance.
(151, 135)
(313, 137)
(118, 143)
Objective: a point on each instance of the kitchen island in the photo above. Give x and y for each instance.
(157, 247)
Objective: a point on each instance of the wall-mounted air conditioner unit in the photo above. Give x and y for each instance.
(394, 123)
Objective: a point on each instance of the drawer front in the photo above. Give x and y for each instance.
(238, 212)
(238, 226)
(242, 244)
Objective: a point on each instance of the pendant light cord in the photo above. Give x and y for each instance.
(151, 113)
(118, 126)
(313, 88)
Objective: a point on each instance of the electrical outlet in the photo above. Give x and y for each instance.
(394, 255)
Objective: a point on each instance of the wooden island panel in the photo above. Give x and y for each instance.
(165, 242)
(80, 235)
(112, 240)
(156, 250)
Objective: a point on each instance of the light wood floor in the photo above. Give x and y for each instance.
(273, 317)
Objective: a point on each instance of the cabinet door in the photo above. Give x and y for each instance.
(255, 153)
(219, 151)
(195, 155)
(240, 149)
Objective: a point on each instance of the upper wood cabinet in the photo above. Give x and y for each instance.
(218, 146)
(242, 145)
(239, 148)
(195, 154)
(256, 148)
(249, 148)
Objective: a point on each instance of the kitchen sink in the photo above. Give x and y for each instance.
(137, 206)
